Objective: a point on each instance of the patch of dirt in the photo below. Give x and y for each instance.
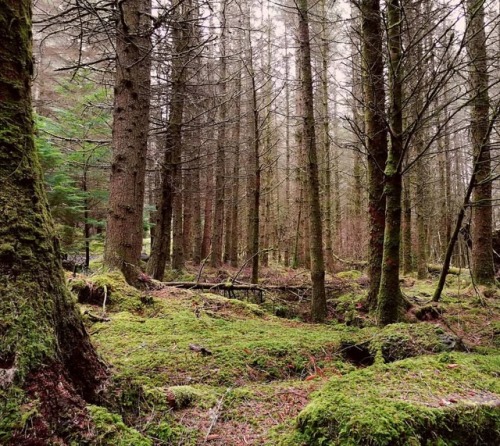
(250, 422)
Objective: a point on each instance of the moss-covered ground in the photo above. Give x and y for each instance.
(194, 368)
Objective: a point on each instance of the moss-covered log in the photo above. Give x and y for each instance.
(44, 345)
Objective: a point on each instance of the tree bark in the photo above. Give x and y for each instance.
(482, 218)
(45, 349)
(171, 173)
(218, 216)
(376, 138)
(130, 136)
(318, 304)
(389, 295)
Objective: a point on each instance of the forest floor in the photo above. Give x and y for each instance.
(194, 368)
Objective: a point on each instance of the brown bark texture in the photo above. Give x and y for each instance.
(130, 135)
(318, 304)
(376, 137)
(482, 215)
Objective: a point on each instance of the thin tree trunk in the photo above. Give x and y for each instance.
(376, 138)
(389, 295)
(318, 304)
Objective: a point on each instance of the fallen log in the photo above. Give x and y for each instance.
(432, 268)
(241, 286)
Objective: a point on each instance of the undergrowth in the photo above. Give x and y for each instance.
(182, 359)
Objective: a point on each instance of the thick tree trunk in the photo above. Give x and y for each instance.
(482, 218)
(44, 348)
(376, 138)
(389, 295)
(318, 304)
(130, 136)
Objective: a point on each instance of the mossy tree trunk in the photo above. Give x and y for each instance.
(124, 231)
(318, 304)
(389, 295)
(44, 347)
(482, 218)
(376, 137)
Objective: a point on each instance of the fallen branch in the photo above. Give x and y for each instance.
(228, 286)
(215, 415)
(95, 318)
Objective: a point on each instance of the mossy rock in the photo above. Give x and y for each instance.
(400, 341)
(452, 399)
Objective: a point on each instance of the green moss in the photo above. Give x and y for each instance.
(119, 294)
(111, 430)
(246, 344)
(349, 275)
(448, 400)
(400, 341)
(13, 414)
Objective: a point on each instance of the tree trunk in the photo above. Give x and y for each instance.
(130, 136)
(482, 219)
(46, 359)
(218, 224)
(171, 173)
(318, 304)
(376, 138)
(233, 251)
(325, 57)
(389, 295)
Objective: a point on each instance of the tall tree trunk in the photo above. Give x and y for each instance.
(46, 359)
(407, 217)
(124, 231)
(325, 57)
(233, 250)
(318, 304)
(389, 295)
(376, 138)
(218, 224)
(254, 172)
(482, 219)
(170, 197)
(287, 236)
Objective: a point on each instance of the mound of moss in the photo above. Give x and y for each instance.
(447, 399)
(110, 288)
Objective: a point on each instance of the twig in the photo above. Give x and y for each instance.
(104, 300)
(215, 415)
(202, 266)
(248, 260)
(95, 318)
